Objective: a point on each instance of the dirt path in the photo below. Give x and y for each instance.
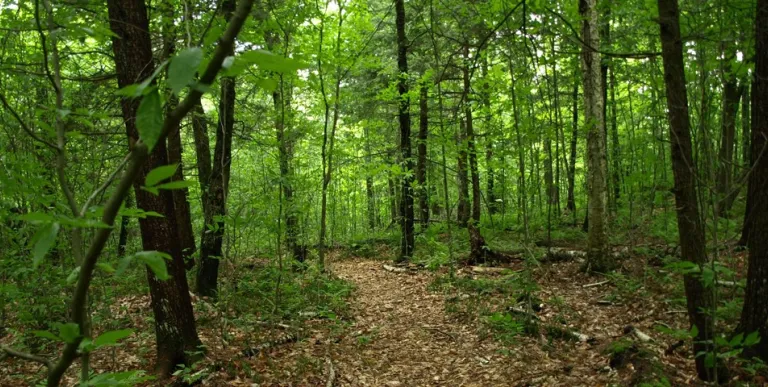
(402, 336)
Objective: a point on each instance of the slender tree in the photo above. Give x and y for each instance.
(598, 258)
(404, 118)
(692, 244)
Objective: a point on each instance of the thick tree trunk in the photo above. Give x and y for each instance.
(691, 231)
(404, 116)
(598, 259)
(754, 316)
(724, 179)
(175, 329)
(215, 193)
(421, 161)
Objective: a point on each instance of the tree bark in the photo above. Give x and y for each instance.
(692, 241)
(598, 259)
(754, 316)
(175, 151)
(421, 161)
(175, 330)
(217, 188)
(724, 183)
(404, 117)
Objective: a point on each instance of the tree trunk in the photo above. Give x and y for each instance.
(462, 212)
(215, 193)
(369, 192)
(285, 142)
(122, 239)
(175, 151)
(692, 243)
(175, 330)
(598, 259)
(404, 116)
(754, 316)
(421, 162)
(571, 204)
(724, 183)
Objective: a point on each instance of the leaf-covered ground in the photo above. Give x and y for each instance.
(415, 327)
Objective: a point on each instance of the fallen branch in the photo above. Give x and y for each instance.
(595, 284)
(282, 340)
(483, 269)
(26, 356)
(638, 333)
(395, 269)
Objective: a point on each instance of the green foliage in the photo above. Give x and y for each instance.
(149, 118)
(181, 71)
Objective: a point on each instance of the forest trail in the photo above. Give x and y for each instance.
(403, 337)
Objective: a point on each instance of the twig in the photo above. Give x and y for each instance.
(24, 126)
(435, 329)
(26, 356)
(104, 186)
(331, 373)
(595, 284)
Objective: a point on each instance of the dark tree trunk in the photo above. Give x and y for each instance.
(175, 151)
(724, 183)
(478, 247)
(750, 160)
(571, 203)
(490, 195)
(175, 329)
(404, 116)
(754, 316)
(421, 161)
(700, 299)
(122, 240)
(215, 192)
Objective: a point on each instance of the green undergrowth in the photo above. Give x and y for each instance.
(294, 292)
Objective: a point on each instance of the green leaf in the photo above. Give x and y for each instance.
(271, 62)
(46, 335)
(149, 119)
(69, 332)
(751, 339)
(72, 277)
(44, 240)
(111, 337)
(155, 260)
(694, 332)
(106, 267)
(139, 89)
(178, 184)
(267, 84)
(736, 341)
(181, 71)
(159, 174)
(36, 217)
